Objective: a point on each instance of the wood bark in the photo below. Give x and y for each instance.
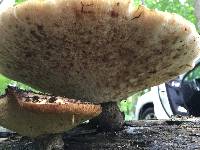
(154, 135)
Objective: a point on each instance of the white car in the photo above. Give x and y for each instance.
(156, 104)
(179, 96)
(150, 107)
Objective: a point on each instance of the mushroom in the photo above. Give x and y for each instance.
(94, 50)
(32, 114)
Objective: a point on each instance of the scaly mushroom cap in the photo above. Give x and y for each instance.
(33, 114)
(94, 50)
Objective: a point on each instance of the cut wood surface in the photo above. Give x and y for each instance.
(153, 135)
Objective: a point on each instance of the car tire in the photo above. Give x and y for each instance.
(148, 114)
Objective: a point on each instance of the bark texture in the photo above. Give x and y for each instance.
(151, 135)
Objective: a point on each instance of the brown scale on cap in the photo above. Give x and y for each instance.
(33, 118)
(94, 50)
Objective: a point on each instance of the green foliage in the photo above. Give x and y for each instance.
(19, 1)
(184, 8)
(128, 106)
(4, 82)
(194, 74)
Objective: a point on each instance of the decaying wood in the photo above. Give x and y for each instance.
(155, 135)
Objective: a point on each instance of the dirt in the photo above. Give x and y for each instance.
(151, 135)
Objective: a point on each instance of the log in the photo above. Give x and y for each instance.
(156, 135)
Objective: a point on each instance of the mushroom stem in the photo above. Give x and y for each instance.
(111, 118)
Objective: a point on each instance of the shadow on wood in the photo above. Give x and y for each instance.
(155, 135)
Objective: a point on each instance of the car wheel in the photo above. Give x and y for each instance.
(148, 114)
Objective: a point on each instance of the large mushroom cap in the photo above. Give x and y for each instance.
(33, 114)
(93, 50)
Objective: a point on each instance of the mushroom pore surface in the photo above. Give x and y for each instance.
(32, 114)
(94, 50)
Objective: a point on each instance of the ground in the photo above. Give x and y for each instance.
(153, 135)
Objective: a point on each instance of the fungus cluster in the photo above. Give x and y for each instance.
(96, 51)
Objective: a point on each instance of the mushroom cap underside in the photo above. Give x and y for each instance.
(19, 112)
(94, 50)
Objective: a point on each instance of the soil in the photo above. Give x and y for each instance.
(151, 135)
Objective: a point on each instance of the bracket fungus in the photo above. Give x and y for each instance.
(34, 114)
(94, 50)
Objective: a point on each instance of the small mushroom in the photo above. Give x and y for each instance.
(94, 50)
(33, 119)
